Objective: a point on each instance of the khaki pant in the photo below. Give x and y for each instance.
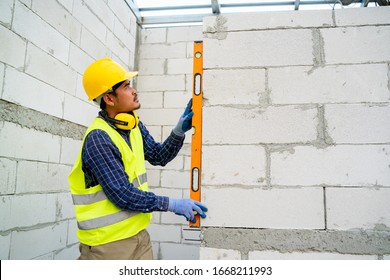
(137, 247)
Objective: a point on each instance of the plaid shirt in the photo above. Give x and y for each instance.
(102, 164)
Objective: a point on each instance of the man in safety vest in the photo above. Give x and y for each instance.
(108, 181)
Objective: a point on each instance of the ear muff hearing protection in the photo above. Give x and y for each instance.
(125, 121)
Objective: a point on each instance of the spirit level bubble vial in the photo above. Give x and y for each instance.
(196, 143)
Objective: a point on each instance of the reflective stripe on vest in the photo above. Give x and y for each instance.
(86, 199)
(106, 220)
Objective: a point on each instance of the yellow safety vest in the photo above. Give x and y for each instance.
(99, 220)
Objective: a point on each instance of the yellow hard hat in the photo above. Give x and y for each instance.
(102, 75)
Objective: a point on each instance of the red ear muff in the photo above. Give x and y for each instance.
(126, 121)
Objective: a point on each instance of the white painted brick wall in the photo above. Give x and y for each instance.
(285, 124)
(339, 84)
(282, 208)
(344, 165)
(358, 208)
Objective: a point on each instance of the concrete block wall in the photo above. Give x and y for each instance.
(164, 86)
(296, 161)
(45, 48)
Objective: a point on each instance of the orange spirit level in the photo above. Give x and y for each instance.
(196, 144)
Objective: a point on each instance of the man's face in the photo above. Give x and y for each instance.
(126, 98)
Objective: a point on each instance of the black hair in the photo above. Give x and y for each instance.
(103, 104)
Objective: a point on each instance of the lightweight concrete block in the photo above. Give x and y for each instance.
(170, 251)
(155, 132)
(176, 99)
(355, 123)
(6, 9)
(7, 176)
(269, 20)
(30, 26)
(37, 242)
(24, 143)
(66, 4)
(234, 165)
(121, 11)
(346, 165)
(118, 48)
(282, 208)
(283, 124)
(358, 208)
(27, 210)
(58, 17)
(174, 164)
(259, 49)
(42, 66)
(42, 177)
(13, 48)
(92, 45)
(72, 232)
(160, 83)
(153, 35)
(151, 67)
(2, 70)
(65, 208)
(219, 254)
(69, 253)
(87, 18)
(240, 86)
(124, 35)
(165, 233)
(79, 111)
(78, 60)
(366, 44)
(274, 255)
(175, 179)
(329, 84)
(160, 116)
(184, 34)
(191, 235)
(16, 82)
(174, 50)
(153, 177)
(70, 149)
(5, 244)
(368, 16)
(179, 66)
(105, 14)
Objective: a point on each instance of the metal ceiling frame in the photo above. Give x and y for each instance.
(215, 9)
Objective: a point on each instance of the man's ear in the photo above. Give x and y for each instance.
(108, 99)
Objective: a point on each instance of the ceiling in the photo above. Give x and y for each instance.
(158, 13)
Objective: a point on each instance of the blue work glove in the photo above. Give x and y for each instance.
(186, 207)
(185, 121)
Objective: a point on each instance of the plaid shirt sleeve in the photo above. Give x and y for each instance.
(160, 154)
(102, 164)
